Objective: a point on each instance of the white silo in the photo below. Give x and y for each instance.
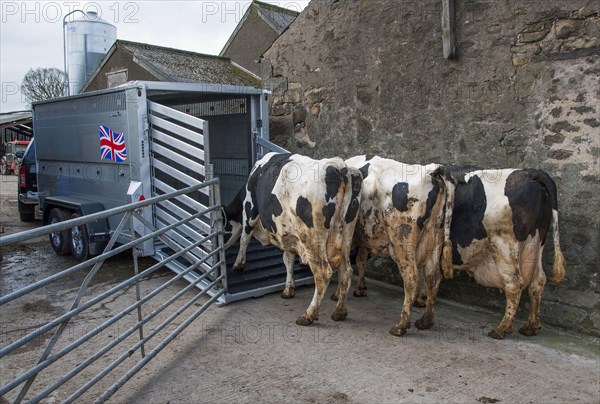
(88, 39)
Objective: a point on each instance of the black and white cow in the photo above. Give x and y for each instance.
(304, 207)
(405, 214)
(499, 226)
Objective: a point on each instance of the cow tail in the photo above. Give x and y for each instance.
(446, 182)
(335, 239)
(545, 180)
(559, 260)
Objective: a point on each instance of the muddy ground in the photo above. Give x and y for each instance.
(252, 351)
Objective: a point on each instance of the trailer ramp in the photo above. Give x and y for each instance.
(180, 156)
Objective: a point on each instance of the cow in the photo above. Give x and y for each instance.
(405, 214)
(501, 218)
(499, 225)
(304, 207)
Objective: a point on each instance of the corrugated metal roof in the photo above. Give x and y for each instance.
(18, 121)
(14, 117)
(279, 17)
(177, 65)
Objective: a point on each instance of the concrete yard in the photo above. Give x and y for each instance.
(252, 351)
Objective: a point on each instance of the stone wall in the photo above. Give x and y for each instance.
(368, 76)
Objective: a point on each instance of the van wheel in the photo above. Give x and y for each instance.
(80, 247)
(26, 212)
(60, 240)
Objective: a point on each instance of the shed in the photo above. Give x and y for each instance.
(15, 125)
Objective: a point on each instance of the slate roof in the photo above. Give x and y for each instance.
(175, 65)
(278, 17)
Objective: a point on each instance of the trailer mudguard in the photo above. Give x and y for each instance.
(98, 230)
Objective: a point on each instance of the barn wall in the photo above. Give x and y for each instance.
(352, 77)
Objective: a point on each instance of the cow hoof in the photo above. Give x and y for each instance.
(334, 297)
(398, 332)
(288, 295)
(304, 320)
(339, 315)
(360, 293)
(238, 268)
(423, 325)
(528, 331)
(498, 334)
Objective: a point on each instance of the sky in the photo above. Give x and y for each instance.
(31, 31)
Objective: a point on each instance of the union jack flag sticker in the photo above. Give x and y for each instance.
(112, 145)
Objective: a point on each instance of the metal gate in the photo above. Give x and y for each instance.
(180, 158)
(133, 345)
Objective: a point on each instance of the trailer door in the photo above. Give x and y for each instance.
(180, 158)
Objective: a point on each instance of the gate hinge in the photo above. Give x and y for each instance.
(259, 123)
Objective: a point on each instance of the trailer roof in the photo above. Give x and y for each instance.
(206, 88)
(158, 87)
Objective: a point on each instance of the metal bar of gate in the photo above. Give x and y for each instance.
(47, 360)
(215, 218)
(42, 365)
(92, 302)
(22, 236)
(125, 334)
(263, 143)
(136, 271)
(162, 344)
(80, 294)
(51, 228)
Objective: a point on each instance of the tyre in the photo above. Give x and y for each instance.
(80, 247)
(59, 240)
(4, 167)
(26, 213)
(17, 167)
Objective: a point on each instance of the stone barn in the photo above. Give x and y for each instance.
(260, 26)
(516, 84)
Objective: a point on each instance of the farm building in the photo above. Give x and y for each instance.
(474, 82)
(520, 90)
(260, 26)
(15, 125)
(127, 61)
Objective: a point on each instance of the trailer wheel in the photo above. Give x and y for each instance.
(80, 247)
(60, 240)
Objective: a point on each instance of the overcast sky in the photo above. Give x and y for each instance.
(31, 32)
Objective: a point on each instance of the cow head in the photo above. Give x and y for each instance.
(232, 218)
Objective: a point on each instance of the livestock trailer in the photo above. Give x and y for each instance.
(109, 148)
